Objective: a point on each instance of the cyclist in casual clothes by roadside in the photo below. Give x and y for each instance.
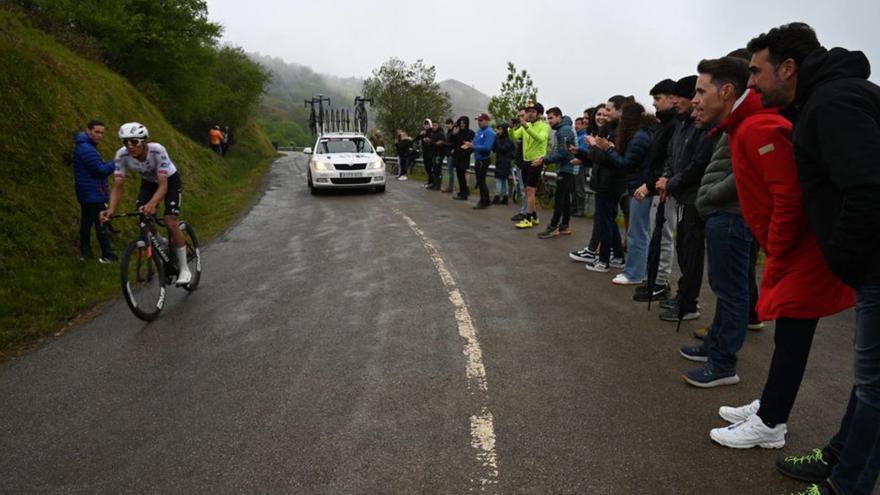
(535, 135)
(160, 183)
(519, 172)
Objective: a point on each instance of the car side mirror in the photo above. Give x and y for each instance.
(380, 150)
(307, 151)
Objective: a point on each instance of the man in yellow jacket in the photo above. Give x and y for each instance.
(535, 135)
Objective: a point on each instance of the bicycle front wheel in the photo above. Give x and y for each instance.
(193, 256)
(143, 281)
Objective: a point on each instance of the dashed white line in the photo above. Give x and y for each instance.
(482, 421)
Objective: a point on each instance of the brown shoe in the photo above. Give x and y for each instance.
(565, 230)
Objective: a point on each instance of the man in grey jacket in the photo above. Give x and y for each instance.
(719, 87)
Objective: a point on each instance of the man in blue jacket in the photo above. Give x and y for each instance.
(90, 172)
(484, 141)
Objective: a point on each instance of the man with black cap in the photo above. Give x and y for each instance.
(664, 97)
(689, 154)
(535, 135)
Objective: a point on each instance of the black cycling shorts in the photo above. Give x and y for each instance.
(532, 175)
(172, 197)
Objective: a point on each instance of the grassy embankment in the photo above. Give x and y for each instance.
(47, 93)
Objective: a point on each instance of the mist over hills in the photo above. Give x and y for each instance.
(285, 117)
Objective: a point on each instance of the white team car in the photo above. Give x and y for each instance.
(345, 160)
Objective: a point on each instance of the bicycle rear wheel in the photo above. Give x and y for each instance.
(143, 281)
(193, 256)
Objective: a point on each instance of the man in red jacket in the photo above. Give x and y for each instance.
(839, 171)
(797, 288)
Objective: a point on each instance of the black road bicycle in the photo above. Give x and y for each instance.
(148, 266)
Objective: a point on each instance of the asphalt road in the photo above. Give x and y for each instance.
(326, 352)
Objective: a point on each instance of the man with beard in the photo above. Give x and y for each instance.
(836, 138)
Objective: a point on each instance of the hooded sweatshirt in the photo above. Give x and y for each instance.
(90, 171)
(465, 134)
(560, 155)
(837, 148)
(426, 146)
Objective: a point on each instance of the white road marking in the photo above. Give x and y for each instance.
(482, 422)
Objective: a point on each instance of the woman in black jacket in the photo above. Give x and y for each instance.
(404, 153)
(504, 149)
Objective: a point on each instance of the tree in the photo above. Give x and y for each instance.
(404, 95)
(516, 90)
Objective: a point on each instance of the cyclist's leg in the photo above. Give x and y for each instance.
(172, 202)
(172, 214)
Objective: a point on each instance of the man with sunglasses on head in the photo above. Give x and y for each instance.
(160, 181)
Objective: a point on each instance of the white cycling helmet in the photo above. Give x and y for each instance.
(133, 130)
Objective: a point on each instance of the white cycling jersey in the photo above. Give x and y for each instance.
(157, 163)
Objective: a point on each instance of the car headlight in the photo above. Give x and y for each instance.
(376, 164)
(322, 165)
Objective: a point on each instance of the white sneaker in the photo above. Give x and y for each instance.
(736, 414)
(621, 279)
(402, 177)
(750, 433)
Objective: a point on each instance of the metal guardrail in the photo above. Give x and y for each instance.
(550, 176)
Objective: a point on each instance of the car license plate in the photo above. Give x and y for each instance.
(345, 175)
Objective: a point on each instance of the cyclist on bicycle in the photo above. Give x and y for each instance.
(160, 181)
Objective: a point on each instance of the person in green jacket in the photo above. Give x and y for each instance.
(535, 135)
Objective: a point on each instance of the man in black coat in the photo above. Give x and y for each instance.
(689, 152)
(663, 94)
(462, 138)
(836, 115)
(438, 146)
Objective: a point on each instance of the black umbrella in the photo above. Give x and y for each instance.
(654, 249)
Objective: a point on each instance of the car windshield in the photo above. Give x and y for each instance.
(344, 145)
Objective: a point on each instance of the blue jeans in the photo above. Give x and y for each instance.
(729, 244)
(859, 436)
(501, 186)
(637, 239)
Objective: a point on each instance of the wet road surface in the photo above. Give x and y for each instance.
(393, 343)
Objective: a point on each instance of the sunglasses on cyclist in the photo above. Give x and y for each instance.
(132, 142)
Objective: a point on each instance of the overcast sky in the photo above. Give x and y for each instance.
(578, 53)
